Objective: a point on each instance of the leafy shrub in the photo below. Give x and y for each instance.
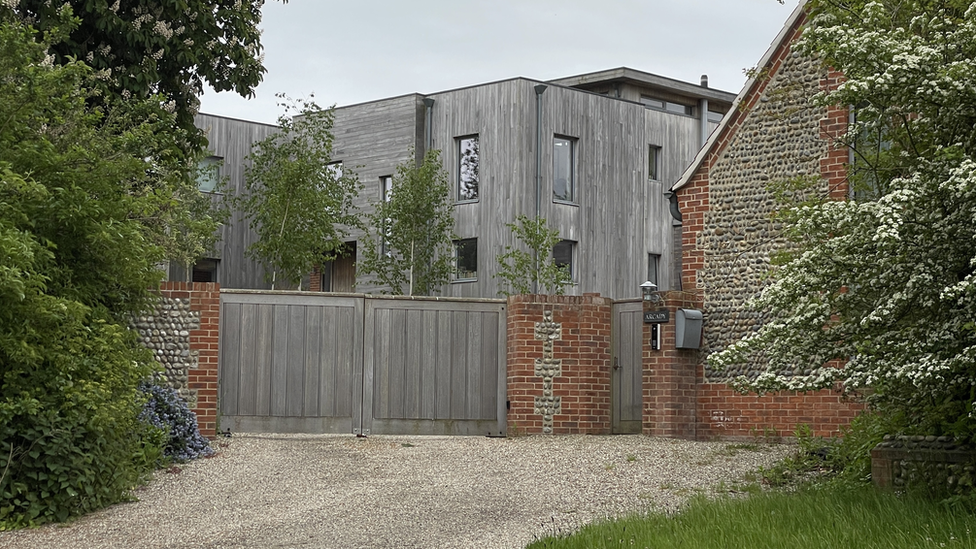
(166, 411)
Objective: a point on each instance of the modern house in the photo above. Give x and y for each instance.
(594, 154)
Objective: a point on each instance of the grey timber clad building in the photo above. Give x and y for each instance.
(612, 144)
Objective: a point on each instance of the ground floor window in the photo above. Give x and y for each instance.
(466, 259)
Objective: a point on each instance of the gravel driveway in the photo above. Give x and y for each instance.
(384, 491)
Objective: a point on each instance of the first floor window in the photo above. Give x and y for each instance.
(208, 174)
(468, 168)
(654, 163)
(562, 256)
(386, 188)
(563, 168)
(466, 259)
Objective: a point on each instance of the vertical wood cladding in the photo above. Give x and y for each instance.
(618, 215)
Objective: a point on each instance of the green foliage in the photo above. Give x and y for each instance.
(86, 196)
(298, 202)
(813, 518)
(534, 270)
(411, 248)
(883, 284)
(140, 48)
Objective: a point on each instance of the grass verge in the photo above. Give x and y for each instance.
(810, 518)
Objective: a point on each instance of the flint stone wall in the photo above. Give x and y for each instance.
(778, 140)
(166, 332)
(937, 465)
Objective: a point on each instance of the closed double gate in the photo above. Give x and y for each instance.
(361, 364)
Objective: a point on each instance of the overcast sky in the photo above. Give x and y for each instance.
(351, 51)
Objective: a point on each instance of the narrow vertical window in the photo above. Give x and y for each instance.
(468, 173)
(208, 174)
(562, 256)
(653, 263)
(563, 164)
(466, 259)
(654, 163)
(386, 193)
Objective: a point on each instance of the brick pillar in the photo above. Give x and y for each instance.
(580, 358)
(670, 390)
(204, 342)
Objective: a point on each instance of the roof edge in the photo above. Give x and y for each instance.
(747, 89)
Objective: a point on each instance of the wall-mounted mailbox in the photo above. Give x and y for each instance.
(687, 329)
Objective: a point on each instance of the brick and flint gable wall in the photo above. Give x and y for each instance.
(729, 235)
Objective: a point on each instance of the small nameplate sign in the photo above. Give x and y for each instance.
(657, 317)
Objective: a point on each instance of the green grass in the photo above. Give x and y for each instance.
(810, 518)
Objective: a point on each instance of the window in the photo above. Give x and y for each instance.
(205, 270)
(563, 168)
(386, 193)
(651, 102)
(653, 261)
(654, 163)
(562, 256)
(466, 259)
(669, 106)
(715, 116)
(335, 168)
(468, 174)
(208, 174)
(386, 188)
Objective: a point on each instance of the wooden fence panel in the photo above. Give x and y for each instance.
(302, 362)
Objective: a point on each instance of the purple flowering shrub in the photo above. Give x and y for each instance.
(167, 411)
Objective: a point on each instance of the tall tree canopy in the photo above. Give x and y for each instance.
(87, 194)
(884, 282)
(170, 47)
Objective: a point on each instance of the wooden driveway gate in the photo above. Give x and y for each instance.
(318, 363)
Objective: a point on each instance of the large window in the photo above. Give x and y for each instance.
(466, 259)
(654, 163)
(563, 169)
(562, 256)
(208, 174)
(468, 173)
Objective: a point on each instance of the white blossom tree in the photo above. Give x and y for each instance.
(883, 283)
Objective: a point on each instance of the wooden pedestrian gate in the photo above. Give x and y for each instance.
(317, 363)
(627, 374)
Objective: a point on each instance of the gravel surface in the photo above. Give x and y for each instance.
(386, 491)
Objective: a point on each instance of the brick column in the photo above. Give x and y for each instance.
(204, 342)
(580, 388)
(670, 390)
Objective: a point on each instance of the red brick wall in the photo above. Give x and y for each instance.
(584, 349)
(669, 386)
(724, 413)
(205, 298)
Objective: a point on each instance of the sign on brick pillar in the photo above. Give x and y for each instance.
(669, 380)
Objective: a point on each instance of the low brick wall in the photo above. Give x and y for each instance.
(559, 364)
(725, 413)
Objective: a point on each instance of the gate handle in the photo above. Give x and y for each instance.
(616, 363)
